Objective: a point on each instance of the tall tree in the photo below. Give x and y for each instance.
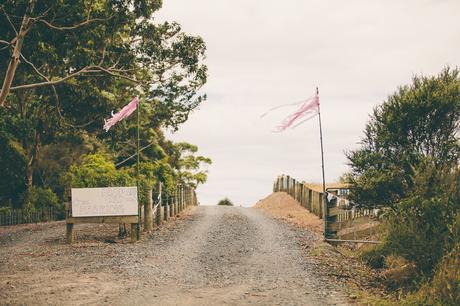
(418, 123)
(66, 65)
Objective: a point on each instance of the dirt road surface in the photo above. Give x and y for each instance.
(213, 256)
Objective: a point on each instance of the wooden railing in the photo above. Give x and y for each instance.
(337, 217)
(168, 206)
(310, 199)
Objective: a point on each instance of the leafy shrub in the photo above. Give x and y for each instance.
(225, 202)
(97, 170)
(39, 198)
(12, 180)
(420, 231)
(445, 288)
(5, 209)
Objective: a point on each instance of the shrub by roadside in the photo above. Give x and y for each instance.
(225, 202)
(420, 250)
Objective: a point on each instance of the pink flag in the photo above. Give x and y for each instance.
(122, 114)
(308, 109)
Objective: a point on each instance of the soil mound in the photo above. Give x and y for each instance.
(282, 206)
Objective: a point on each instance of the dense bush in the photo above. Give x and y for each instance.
(97, 170)
(444, 290)
(409, 164)
(12, 180)
(225, 202)
(419, 121)
(422, 228)
(39, 198)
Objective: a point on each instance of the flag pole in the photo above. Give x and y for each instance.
(137, 174)
(322, 167)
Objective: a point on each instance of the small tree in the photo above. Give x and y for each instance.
(225, 202)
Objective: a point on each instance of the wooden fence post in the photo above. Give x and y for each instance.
(320, 205)
(133, 232)
(171, 207)
(148, 211)
(158, 216)
(166, 209)
(69, 233)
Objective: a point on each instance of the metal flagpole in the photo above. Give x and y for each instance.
(322, 167)
(137, 174)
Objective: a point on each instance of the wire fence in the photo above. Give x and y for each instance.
(24, 216)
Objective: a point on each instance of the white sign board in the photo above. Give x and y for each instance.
(107, 201)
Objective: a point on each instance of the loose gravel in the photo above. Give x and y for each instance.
(211, 256)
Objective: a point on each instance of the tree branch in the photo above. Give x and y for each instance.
(34, 68)
(8, 44)
(72, 27)
(56, 96)
(9, 20)
(87, 69)
(13, 64)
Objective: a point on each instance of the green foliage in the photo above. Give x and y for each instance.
(424, 226)
(189, 166)
(153, 172)
(42, 198)
(97, 170)
(444, 289)
(12, 180)
(225, 202)
(46, 131)
(408, 163)
(417, 123)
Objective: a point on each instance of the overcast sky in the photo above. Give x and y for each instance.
(265, 53)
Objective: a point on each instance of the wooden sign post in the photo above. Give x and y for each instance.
(102, 205)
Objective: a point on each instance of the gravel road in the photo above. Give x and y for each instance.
(212, 256)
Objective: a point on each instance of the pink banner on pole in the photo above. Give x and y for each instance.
(122, 114)
(309, 109)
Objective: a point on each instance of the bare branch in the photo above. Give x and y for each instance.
(54, 82)
(33, 66)
(56, 96)
(85, 70)
(90, 7)
(72, 27)
(8, 44)
(9, 20)
(115, 74)
(13, 64)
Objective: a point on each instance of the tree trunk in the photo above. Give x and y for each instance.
(148, 212)
(13, 65)
(30, 167)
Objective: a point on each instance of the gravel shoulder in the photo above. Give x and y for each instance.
(209, 256)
